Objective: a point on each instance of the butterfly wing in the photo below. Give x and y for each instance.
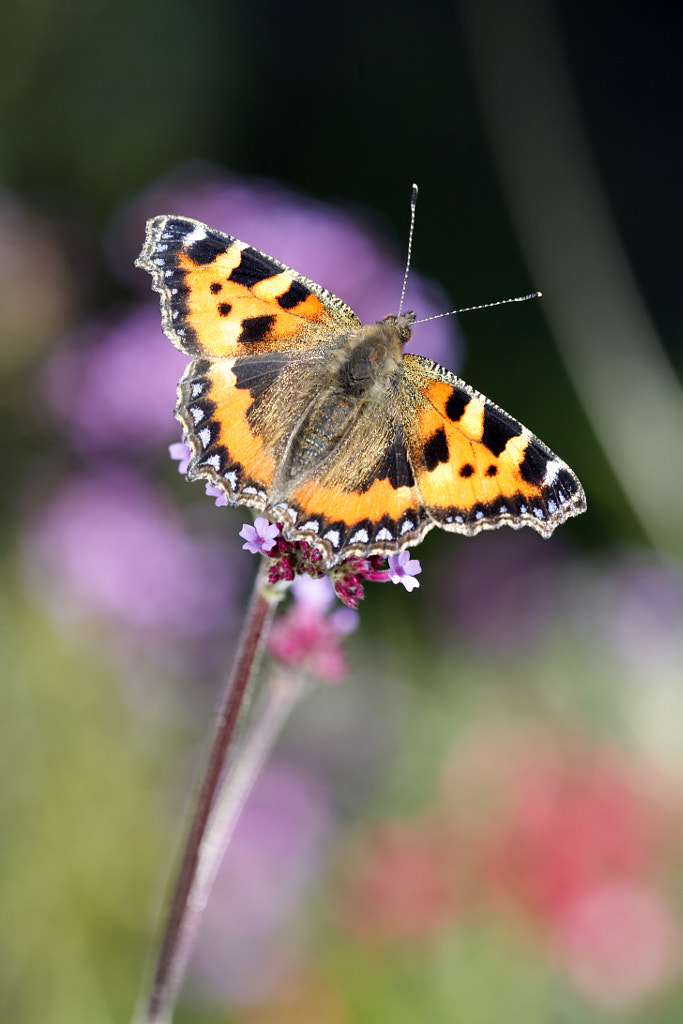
(257, 330)
(222, 298)
(477, 468)
(239, 415)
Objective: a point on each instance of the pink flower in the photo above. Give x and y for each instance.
(572, 825)
(307, 637)
(261, 537)
(619, 943)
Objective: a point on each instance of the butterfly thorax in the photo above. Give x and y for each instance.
(358, 375)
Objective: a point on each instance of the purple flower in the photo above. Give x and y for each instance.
(182, 453)
(113, 548)
(403, 569)
(220, 496)
(339, 247)
(113, 384)
(261, 537)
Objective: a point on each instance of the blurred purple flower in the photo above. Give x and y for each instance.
(114, 384)
(113, 547)
(249, 941)
(340, 247)
(403, 569)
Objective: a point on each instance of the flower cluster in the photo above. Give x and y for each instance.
(297, 558)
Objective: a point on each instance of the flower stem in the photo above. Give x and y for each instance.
(195, 874)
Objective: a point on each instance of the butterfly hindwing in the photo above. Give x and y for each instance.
(475, 466)
(239, 416)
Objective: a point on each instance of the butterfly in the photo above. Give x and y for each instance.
(291, 406)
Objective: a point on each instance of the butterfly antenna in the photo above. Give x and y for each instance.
(485, 305)
(413, 204)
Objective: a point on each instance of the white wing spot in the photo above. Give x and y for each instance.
(333, 537)
(231, 477)
(552, 506)
(551, 471)
(197, 414)
(407, 526)
(213, 460)
(359, 536)
(312, 524)
(538, 512)
(249, 490)
(196, 235)
(479, 514)
(502, 510)
(205, 436)
(384, 534)
(197, 388)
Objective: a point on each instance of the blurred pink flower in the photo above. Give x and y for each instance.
(572, 823)
(250, 940)
(308, 635)
(619, 943)
(404, 887)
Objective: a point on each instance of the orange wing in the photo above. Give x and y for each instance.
(222, 298)
(477, 468)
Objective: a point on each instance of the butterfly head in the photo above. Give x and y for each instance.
(401, 323)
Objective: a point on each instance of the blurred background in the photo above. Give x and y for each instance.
(477, 815)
